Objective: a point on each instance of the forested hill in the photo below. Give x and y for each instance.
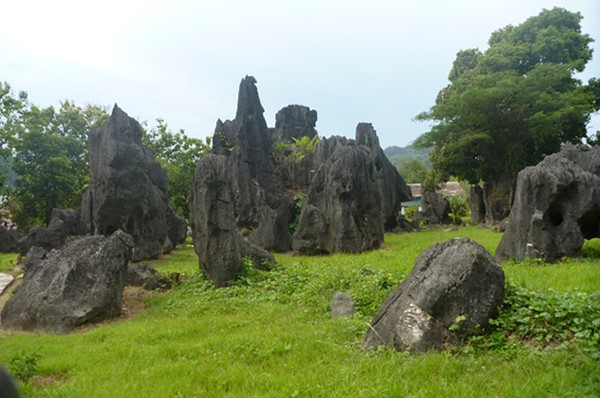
(398, 155)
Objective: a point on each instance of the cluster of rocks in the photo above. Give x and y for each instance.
(244, 202)
(556, 206)
(77, 267)
(352, 193)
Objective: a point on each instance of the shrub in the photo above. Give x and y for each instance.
(24, 365)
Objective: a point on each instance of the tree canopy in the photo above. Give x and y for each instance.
(178, 154)
(49, 153)
(508, 107)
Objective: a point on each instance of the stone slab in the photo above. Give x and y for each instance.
(5, 280)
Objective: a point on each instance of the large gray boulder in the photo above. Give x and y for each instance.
(128, 188)
(262, 206)
(450, 279)
(556, 206)
(218, 243)
(392, 188)
(64, 223)
(81, 283)
(342, 212)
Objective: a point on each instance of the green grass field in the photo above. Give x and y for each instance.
(270, 335)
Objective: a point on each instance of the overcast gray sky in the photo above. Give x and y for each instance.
(372, 61)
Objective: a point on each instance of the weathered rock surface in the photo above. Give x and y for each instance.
(9, 239)
(556, 206)
(128, 188)
(477, 204)
(261, 204)
(293, 123)
(435, 208)
(405, 225)
(143, 275)
(33, 260)
(342, 212)
(218, 243)
(64, 223)
(341, 305)
(392, 188)
(450, 279)
(83, 282)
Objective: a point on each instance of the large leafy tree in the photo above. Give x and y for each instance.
(508, 107)
(12, 108)
(51, 159)
(178, 154)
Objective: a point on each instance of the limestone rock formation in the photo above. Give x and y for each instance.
(392, 188)
(450, 279)
(128, 188)
(556, 206)
(342, 212)
(261, 204)
(64, 223)
(218, 243)
(294, 122)
(477, 204)
(82, 282)
(435, 208)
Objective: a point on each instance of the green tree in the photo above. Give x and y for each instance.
(51, 159)
(47, 167)
(413, 171)
(178, 154)
(11, 111)
(508, 107)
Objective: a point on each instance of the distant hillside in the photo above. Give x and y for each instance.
(398, 155)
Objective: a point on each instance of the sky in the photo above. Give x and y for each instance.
(376, 61)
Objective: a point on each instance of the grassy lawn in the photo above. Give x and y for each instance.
(270, 335)
(7, 261)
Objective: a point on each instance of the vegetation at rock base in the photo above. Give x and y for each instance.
(508, 107)
(270, 334)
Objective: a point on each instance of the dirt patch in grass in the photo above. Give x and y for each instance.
(133, 302)
(47, 381)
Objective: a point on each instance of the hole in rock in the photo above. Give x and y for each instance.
(555, 217)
